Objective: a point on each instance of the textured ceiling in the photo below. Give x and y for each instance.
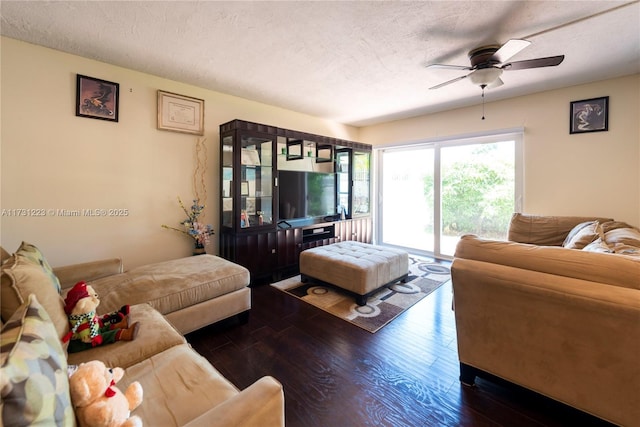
(353, 62)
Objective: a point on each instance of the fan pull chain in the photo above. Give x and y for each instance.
(483, 102)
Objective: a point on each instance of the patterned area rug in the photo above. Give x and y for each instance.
(425, 276)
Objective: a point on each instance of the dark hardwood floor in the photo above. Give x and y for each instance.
(338, 375)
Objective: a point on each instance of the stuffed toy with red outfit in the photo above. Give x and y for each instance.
(98, 402)
(87, 329)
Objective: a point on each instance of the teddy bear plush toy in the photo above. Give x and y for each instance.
(87, 329)
(98, 402)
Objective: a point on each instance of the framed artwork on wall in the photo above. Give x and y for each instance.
(97, 98)
(251, 206)
(179, 113)
(244, 188)
(590, 115)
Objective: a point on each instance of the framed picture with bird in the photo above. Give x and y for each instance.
(97, 98)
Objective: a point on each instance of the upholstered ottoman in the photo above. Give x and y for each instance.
(357, 267)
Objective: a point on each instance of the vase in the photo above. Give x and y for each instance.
(199, 249)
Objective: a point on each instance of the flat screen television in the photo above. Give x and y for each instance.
(306, 195)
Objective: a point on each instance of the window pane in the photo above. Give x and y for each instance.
(478, 188)
(407, 204)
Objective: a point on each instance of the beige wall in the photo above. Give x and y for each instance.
(52, 159)
(586, 174)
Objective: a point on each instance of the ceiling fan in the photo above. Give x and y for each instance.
(489, 62)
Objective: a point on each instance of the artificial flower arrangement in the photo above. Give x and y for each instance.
(192, 228)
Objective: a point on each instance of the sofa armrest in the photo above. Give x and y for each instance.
(69, 275)
(260, 404)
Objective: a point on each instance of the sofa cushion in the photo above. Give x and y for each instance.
(34, 382)
(69, 275)
(178, 385)
(544, 230)
(171, 285)
(581, 235)
(22, 277)
(612, 225)
(155, 335)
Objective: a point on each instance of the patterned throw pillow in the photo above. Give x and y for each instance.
(581, 235)
(598, 245)
(34, 381)
(20, 278)
(34, 255)
(625, 240)
(627, 236)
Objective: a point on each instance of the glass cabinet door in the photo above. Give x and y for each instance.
(361, 183)
(353, 182)
(256, 182)
(343, 181)
(227, 181)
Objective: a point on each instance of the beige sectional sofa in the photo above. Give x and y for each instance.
(168, 300)
(562, 322)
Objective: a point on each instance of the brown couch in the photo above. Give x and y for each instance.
(167, 299)
(562, 322)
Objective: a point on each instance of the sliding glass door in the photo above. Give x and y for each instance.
(407, 209)
(430, 194)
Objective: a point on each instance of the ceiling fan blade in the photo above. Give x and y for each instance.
(550, 61)
(497, 83)
(449, 67)
(509, 49)
(448, 82)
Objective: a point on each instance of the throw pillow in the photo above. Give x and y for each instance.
(4, 254)
(598, 245)
(627, 236)
(34, 380)
(628, 250)
(581, 235)
(34, 255)
(624, 241)
(21, 278)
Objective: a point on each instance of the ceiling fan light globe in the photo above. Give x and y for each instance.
(485, 76)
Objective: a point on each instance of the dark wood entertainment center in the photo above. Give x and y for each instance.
(262, 233)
